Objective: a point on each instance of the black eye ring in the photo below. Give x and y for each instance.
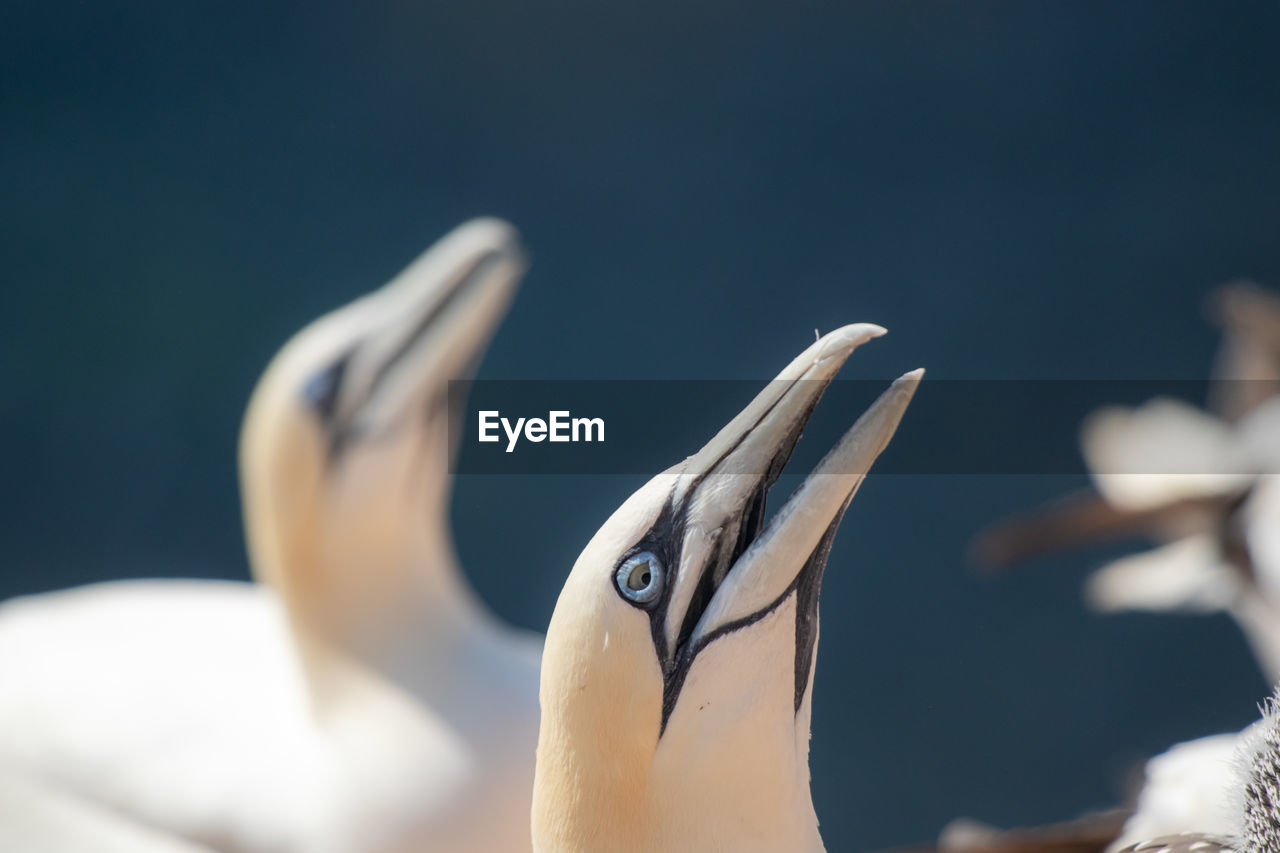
(640, 577)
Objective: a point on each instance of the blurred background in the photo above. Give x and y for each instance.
(1016, 190)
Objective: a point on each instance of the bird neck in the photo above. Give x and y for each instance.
(600, 789)
(391, 595)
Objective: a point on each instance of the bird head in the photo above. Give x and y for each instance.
(677, 671)
(346, 445)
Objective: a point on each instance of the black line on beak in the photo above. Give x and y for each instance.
(675, 663)
(473, 272)
(808, 589)
(807, 585)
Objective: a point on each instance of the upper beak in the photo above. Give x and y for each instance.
(433, 320)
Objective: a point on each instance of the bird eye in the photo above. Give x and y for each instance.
(639, 578)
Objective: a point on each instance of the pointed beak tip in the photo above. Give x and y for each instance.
(874, 330)
(493, 227)
(489, 234)
(901, 391)
(908, 382)
(844, 340)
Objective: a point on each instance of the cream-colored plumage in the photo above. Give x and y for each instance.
(680, 723)
(36, 817)
(362, 698)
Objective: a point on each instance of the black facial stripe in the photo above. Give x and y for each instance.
(808, 587)
(675, 662)
(665, 539)
(341, 430)
(673, 682)
(323, 389)
(807, 584)
(716, 568)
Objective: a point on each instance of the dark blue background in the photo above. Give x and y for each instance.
(1017, 190)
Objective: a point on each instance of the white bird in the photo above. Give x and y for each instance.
(1206, 488)
(1248, 800)
(37, 818)
(1187, 788)
(363, 698)
(1211, 491)
(677, 673)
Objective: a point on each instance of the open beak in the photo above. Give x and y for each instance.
(793, 547)
(734, 568)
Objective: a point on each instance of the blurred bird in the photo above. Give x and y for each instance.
(361, 699)
(1201, 484)
(1213, 794)
(38, 818)
(1091, 833)
(1250, 801)
(677, 675)
(1205, 485)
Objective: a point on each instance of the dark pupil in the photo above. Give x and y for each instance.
(640, 578)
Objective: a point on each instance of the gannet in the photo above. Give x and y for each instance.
(1209, 490)
(362, 698)
(1204, 484)
(677, 672)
